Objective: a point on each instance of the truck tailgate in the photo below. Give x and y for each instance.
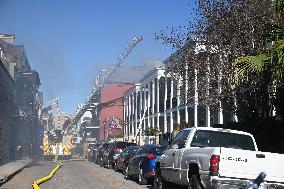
(245, 164)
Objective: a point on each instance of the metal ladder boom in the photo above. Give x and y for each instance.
(102, 77)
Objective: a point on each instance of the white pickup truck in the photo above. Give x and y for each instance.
(217, 158)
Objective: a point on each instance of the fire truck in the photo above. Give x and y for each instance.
(57, 145)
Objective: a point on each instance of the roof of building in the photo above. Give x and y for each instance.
(131, 74)
(15, 54)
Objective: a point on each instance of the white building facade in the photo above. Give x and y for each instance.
(161, 101)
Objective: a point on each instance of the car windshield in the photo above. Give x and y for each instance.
(122, 144)
(222, 139)
(133, 149)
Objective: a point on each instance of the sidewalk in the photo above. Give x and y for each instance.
(10, 169)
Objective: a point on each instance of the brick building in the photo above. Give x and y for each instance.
(111, 109)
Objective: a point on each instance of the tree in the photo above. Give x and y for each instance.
(268, 63)
(151, 131)
(224, 31)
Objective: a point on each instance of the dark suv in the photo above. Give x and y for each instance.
(113, 151)
(99, 154)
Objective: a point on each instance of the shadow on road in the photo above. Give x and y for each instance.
(34, 164)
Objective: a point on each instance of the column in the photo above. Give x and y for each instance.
(171, 106)
(136, 112)
(220, 111)
(153, 103)
(127, 116)
(145, 107)
(195, 98)
(133, 119)
(178, 99)
(141, 108)
(186, 96)
(207, 107)
(148, 104)
(124, 116)
(158, 103)
(129, 113)
(165, 103)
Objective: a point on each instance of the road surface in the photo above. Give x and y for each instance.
(73, 175)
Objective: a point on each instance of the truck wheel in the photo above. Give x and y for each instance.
(126, 173)
(101, 162)
(109, 165)
(158, 182)
(194, 183)
(115, 167)
(141, 179)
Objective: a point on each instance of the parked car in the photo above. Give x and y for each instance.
(99, 154)
(124, 157)
(91, 147)
(217, 158)
(113, 151)
(142, 165)
(95, 152)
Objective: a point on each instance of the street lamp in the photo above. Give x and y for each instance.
(105, 124)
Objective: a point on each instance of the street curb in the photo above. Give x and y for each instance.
(7, 178)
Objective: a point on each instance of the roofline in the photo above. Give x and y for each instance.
(151, 72)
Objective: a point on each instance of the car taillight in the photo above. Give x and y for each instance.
(151, 156)
(115, 149)
(214, 164)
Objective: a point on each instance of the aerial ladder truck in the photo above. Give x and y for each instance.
(104, 75)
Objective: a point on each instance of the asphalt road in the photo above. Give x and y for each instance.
(73, 175)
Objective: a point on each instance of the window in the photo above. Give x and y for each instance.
(222, 139)
(180, 140)
(140, 151)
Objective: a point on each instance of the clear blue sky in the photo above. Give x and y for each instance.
(69, 41)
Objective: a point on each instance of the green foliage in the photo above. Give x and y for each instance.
(251, 64)
(277, 51)
(151, 131)
(243, 54)
(272, 61)
(278, 5)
